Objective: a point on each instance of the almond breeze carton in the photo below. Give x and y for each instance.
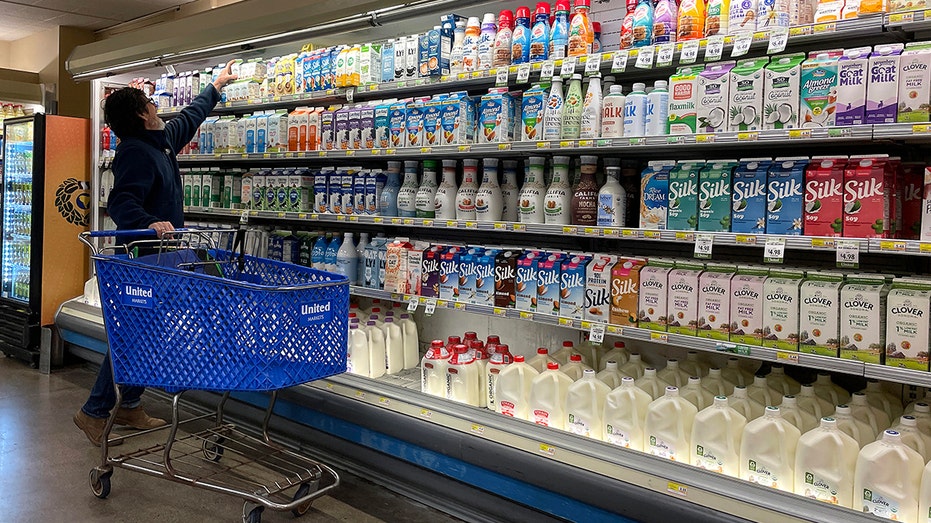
(784, 199)
(714, 301)
(863, 317)
(714, 196)
(458, 120)
(625, 285)
(684, 100)
(414, 125)
(748, 196)
(682, 214)
(654, 278)
(851, 86)
(397, 128)
(714, 96)
(654, 191)
(868, 193)
(781, 90)
(824, 196)
(495, 117)
(747, 305)
(908, 307)
(915, 83)
(882, 90)
(682, 300)
(781, 296)
(432, 128)
(598, 288)
(532, 105)
(819, 314)
(818, 95)
(572, 287)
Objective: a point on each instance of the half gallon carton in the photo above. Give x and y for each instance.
(449, 273)
(684, 100)
(397, 124)
(745, 109)
(882, 90)
(682, 214)
(863, 317)
(654, 190)
(851, 86)
(432, 121)
(784, 200)
(506, 278)
(430, 272)
(714, 301)
(485, 278)
(468, 261)
(909, 189)
(748, 196)
(654, 278)
(824, 196)
(625, 284)
(908, 307)
(781, 91)
(926, 207)
(395, 279)
(819, 314)
(383, 125)
(747, 305)
(598, 288)
(548, 284)
(572, 287)
(414, 124)
(458, 119)
(868, 197)
(525, 281)
(781, 296)
(495, 112)
(682, 300)
(714, 196)
(817, 105)
(714, 96)
(915, 83)
(532, 106)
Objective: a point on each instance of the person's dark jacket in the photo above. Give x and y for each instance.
(147, 185)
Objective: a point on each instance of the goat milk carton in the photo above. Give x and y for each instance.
(784, 199)
(625, 284)
(714, 302)
(682, 212)
(882, 90)
(908, 306)
(915, 83)
(781, 293)
(682, 300)
(745, 109)
(572, 287)
(818, 94)
(653, 294)
(748, 196)
(747, 305)
(851, 86)
(824, 196)
(654, 191)
(684, 100)
(598, 288)
(863, 317)
(781, 88)
(714, 196)
(819, 314)
(714, 96)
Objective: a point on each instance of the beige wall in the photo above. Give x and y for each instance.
(37, 53)
(5, 55)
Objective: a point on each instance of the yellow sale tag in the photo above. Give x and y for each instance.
(660, 337)
(704, 138)
(745, 239)
(524, 315)
(795, 134)
(791, 357)
(653, 235)
(686, 236)
(924, 247)
(921, 128)
(891, 246)
(822, 243)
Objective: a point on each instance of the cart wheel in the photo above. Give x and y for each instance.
(213, 448)
(254, 516)
(302, 509)
(100, 483)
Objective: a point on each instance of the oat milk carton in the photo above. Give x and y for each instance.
(908, 307)
(525, 282)
(625, 284)
(745, 109)
(395, 279)
(784, 199)
(682, 213)
(863, 317)
(714, 96)
(909, 189)
(915, 83)
(682, 299)
(714, 301)
(882, 90)
(819, 313)
(598, 288)
(781, 293)
(548, 291)
(748, 196)
(781, 90)
(654, 191)
(572, 287)
(684, 100)
(654, 278)
(506, 279)
(824, 196)
(868, 195)
(714, 196)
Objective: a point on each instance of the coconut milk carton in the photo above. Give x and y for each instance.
(684, 100)
(908, 307)
(882, 90)
(747, 305)
(863, 317)
(548, 282)
(598, 288)
(682, 214)
(654, 279)
(817, 105)
(625, 284)
(654, 190)
(781, 88)
(909, 191)
(572, 287)
(714, 196)
(819, 314)
(714, 302)
(915, 83)
(824, 196)
(868, 194)
(525, 281)
(781, 293)
(784, 199)
(851, 86)
(682, 300)
(714, 96)
(748, 196)
(745, 109)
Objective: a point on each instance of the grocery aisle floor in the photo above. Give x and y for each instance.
(45, 461)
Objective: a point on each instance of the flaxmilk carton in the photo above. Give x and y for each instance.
(908, 307)
(747, 305)
(868, 195)
(781, 296)
(818, 96)
(819, 313)
(882, 90)
(572, 287)
(909, 189)
(915, 83)
(625, 284)
(714, 96)
(851, 86)
(598, 288)
(824, 196)
(684, 100)
(654, 194)
(781, 91)
(525, 281)
(682, 213)
(748, 196)
(745, 108)
(714, 196)
(654, 278)
(682, 299)
(863, 317)
(784, 200)
(714, 301)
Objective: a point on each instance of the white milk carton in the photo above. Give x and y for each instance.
(863, 317)
(714, 302)
(819, 314)
(747, 305)
(882, 90)
(682, 300)
(915, 83)
(851, 86)
(654, 280)
(908, 307)
(781, 293)
(598, 288)
(781, 91)
(745, 109)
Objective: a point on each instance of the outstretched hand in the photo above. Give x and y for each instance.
(225, 77)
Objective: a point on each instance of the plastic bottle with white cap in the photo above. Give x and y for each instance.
(887, 481)
(513, 387)
(667, 429)
(548, 397)
(716, 435)
(824, 464)
(624, 415)
(767, 451)
(585, 403)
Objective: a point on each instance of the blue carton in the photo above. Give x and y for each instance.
(785, 199)
(748, 196)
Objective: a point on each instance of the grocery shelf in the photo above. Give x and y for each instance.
(909, 20)
(898, 375)
(275, 102)
(907, 132)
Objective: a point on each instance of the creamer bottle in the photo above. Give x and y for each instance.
(889, 403)
(744, 404)
(657, 110)
(767, 451)
(581, 32)
(559, 35)
(584, 202)
(813, 404)
(462, 378)
(717, 13)
(394, 344)
(572, 110)
(610, 376)
(912, 437)
(664, 22)
(585, 404)
(830, 391)
(760, 391)
(556, 201)
(872, 416)
(887, 481)
(513, 387)
(509, 192)
(501, 54)
(824, 464)
(612, 199)
(541, 360)
(592, 109)
(853, 427)
(635, 111)
(465, 196)
(540, 33)
(735, 374)
(489, 203)
(357, 354)
(667, 429)
(411, 341)
(643, 24)
(458, 49)
(520, 41)
(388, 202)
(803, 420)
(618, 354)
(425, 201)
(473, 33)
(552, 115)
(695, 394)
(407, 194)
(378, 350)
(446, 192)
(716, 436)
(497, 361)
(716, 384)
(532, 194)
(635, 366)
(486, 42)
(651, 384)
(624, 415)
(673, 375)
(690, 23)
(575, 368)
(548, 397)
(612, 116)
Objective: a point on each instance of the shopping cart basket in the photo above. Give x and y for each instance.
(192, 316)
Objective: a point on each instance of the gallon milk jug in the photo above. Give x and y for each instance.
(433, 369)
(394, 344)
(548, 397)
(512, 389)
(695, 394)
(715, 383)
(357, 355)
(716, 435)
(624, 415)
(924, 500)
(650, 384)
(767, 451)
(887, 480)
(498, 361)
(591, 353)
(667, 430)
(803, 420)
(462, 377)
(831, 391)
(575, 367)
(610, 376)
(741, 401)
(411, 341)
(873, 416)
(735, 374)
(541, 360)
(562, 355)
(877, 397)
(912, 437)
(481, 361)
(673, 375)
(814, 404)
(585, 404)
(779, 380)
(824, 464)
(634, 367)
(856, 429)
(922, 413)
(760, 391)
(618, 354)
(926, 400)
(378, 351)
(693, 366)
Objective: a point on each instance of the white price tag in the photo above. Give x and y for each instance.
(775, 250)
(430, 307)
(848, 253)
(546, 72)
(619, 62)
(778, 38)
(592, 64)
(523, 73)
(645, 57)
(412, 305)
(741, 44)
(714, 49)
(501, 78)
(689, 52)
(703, 243)
(597, 334)
(568, 66)
(665, 54)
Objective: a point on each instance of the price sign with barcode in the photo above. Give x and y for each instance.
(848, 253)
(501, 78)
(714, 49)
(412, 304)
(665, 54)
(778, 38)
(523, 73)
(689, 52)
(775, 250)
(597, 334)
(742, 44)
(592, 64)
(645, 57)
(568, 66)
(546, 72)
(619, 62)
(703, 244)
(430, 307)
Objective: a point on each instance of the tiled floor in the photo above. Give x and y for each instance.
(45, 461)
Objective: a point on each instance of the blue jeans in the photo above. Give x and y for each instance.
(103, 397)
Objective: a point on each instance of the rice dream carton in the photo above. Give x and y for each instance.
(824, 196)
(747, 299)
(882, 90)
(684, 100)
(714, 96)
(784, 200)
(863, 317)
(598, 288)
(781, 88)
(915, 83)
(714, 302)
(748, 196)
(745, 109)
(682, 213)
(654, 279)
(908, 306)
(625, 284)
(654, 190)
(819, 314)
(781, 292)
(714, 196)
(682, 300)
(817, 105)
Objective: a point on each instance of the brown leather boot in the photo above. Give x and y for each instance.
(137, 419)
(93, 428)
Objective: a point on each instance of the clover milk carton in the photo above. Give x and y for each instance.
(747, 305)
(818, 97)
(682, 212)
(714, 96)
(714, 196)
(915, 83)
(781, 89)
(654, 278)
(882, 90)
(781, 296)
(714, 301)
(819, 313)
(625, 284)
(863, 317)
(654, 191)
(745, 108)
(598, 288)
(682, 299)
(784, 199)
(684, 100)
(868, 197)
(824, 196)
(908, 307)
(748, 196)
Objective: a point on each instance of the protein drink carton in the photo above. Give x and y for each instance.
(824, 196)
(682, 300)
(525, 281)
(449, 273)
(572, 287)
(781, 292)
(653, 296)
(882, 90)
(868, 193)
(714, 301)
(495, 117)
(506, 278)
(714, 96)
(908, 306)
(745, 108)
(915, 83)
(781, 91)
(598, 288)
(625, 285)
(714, 196)
(682, 214)
(548, 274)
(817, 104)
(748, 196)
(909, 189)
(684, 100)
(863, 317)
(747, 305)
(654, 184)
(533, 104)
(784, 200)
(819, 313)
(851, 86)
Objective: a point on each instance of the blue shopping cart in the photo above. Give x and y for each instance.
(190, 315)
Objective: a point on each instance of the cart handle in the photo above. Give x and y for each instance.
(85, 236)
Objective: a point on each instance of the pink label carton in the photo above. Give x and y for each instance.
(868, 190)
(824, 196)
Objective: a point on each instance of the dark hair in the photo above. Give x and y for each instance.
(122, 109)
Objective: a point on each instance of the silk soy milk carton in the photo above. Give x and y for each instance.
(781, 91)
(654, 279)
(572, 287)
(868, 196)
(748, 196)
(818, 97)
(819, 314)
(824, 196)
(882, 90)
(714, 296)
(908, 307)
(863, 317)
(781, 293)
(654, 190)
(714, 96)
(598, 288)
(925, 234)
(625, 282)
(909, 189)
(915, 83)
(714, 196)
(745, 109)
(682, 213)
(684, 100)
(682, 300)
(747, 305)
(784, 200)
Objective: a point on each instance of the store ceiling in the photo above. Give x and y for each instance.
(22, 18)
